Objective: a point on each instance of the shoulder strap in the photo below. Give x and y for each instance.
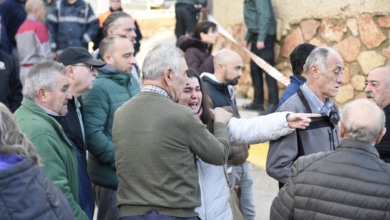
(315, 122)
(304, 101)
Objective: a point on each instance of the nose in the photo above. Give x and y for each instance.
(239, 73)
(68, 95)
(132, 60)
(367, 88)
(194, 95)
(340, 78)
(94, 73)
(132, 34)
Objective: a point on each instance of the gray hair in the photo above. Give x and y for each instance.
(160, 58)
(42, 75)
(110, 22)
(362, 120)
(12, 140)
(318, 57)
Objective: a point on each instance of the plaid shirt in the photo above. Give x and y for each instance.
(155, 89)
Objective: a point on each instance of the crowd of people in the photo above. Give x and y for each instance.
(81, 130)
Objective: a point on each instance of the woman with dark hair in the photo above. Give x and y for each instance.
(213, 184)
(25, 191)
(198, 48)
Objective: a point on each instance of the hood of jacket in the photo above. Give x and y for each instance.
(186, 42)
(297, 79)
(107, 69)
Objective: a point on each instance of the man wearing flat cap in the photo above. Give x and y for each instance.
(81, 73)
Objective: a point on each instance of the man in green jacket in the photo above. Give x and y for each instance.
(113, 87)
(46, 95)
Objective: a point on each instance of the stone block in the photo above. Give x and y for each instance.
(384, 22)
(345, 93)
(309, 28)
(358, 82)
(291, 41)
(349, 48)
(371, 35)
(352, 25)
(368, 60)
(346, 75)
(333, 29)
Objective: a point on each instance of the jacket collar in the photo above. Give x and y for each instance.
(359, 146)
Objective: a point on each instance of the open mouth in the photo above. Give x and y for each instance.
(193, 105)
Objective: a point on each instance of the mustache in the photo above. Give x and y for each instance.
(370, 95)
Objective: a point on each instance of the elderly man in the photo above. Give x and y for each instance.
(348, 183)
(324, 74)
(46, 95)
(377, 89)
(297, 59)
(228, 70)
(113, 87)
(157, 141)
(81, 74)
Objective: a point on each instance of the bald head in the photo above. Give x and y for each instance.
(36, 8)
(228, 66)
(362, 120)
(378, 86)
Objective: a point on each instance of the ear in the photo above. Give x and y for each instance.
(70, 72)
(110, 32)
(202, 36)
(341, 129)
(379, 138)
(41, 94)
(168, 77)
(314, 71)
(107, 58)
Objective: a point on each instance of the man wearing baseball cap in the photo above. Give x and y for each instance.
(81, 74)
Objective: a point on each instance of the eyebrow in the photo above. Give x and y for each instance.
(66, 86)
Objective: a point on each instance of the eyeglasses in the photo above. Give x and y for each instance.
(91, 68)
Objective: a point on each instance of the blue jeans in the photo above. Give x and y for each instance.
(154, 215)
(241, 175)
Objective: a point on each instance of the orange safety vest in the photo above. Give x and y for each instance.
(104, 16)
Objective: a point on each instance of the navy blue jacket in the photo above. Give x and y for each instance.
(71, 25)
(295, 83)
(26, 193)
(13, 15)
(72, 129)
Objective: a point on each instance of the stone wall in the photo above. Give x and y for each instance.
(359, 30)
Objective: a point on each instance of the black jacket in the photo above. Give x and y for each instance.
(383, 147)
(10, 86)
(221, 97)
